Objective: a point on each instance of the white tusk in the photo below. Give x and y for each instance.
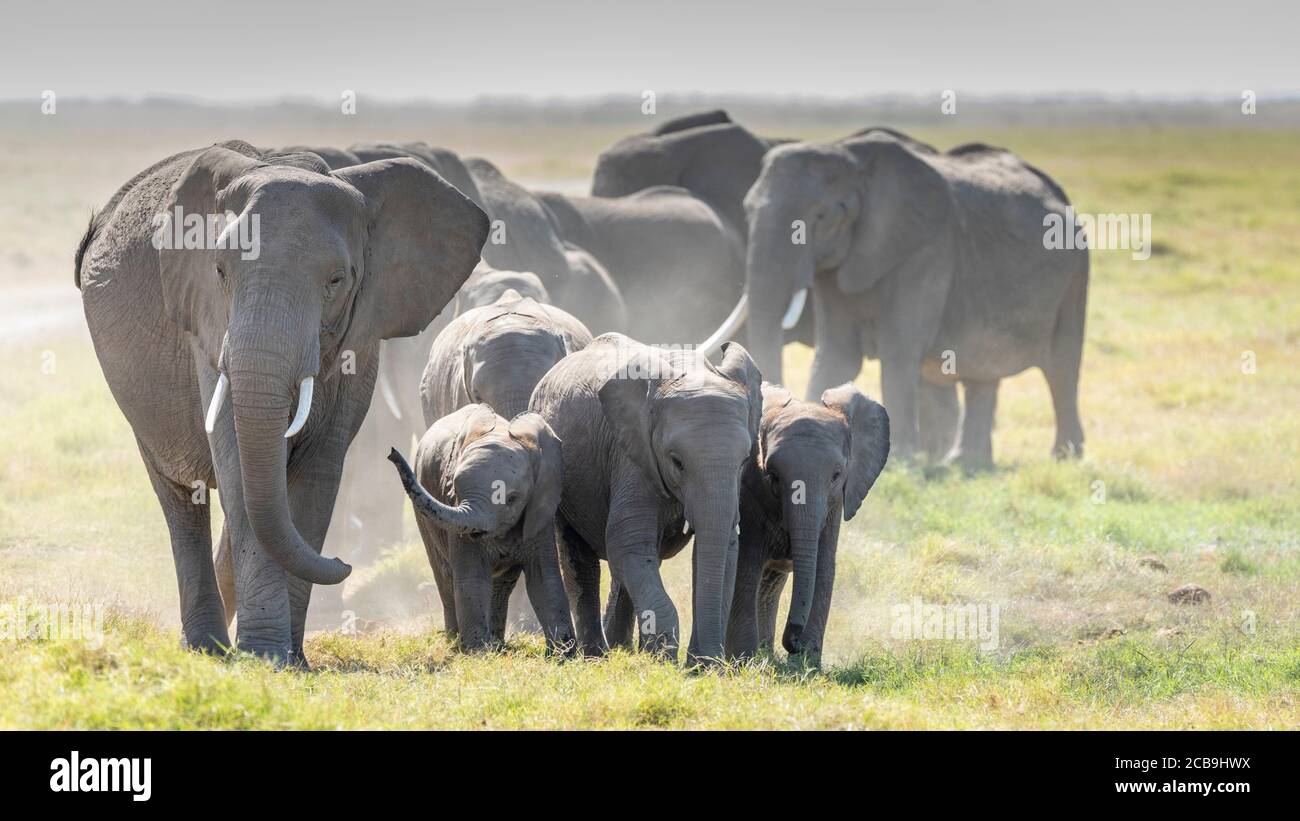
(386, 391)
(686, 527)
(795, 310)
(729, 326)
(214, 407)
(304, 406)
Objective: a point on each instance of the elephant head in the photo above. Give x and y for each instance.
(716, 160)
(816, 460)
(487, 285)
(690, 427)
(339, 261)
(861, 209)
(504, 478)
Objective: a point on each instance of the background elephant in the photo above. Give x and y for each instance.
(341, 260)
(814, 462)
(926, 261)
(718, 161)
(654, 441)
(658, 245)
(486, 512)
(524, 238)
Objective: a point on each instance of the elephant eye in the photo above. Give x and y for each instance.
(220, 273)
(677, 462)
(512, 498)
(835, 477)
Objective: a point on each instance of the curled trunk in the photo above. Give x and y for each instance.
(463, 519)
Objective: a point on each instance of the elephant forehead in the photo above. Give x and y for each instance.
(812, 429)
(495, 453)
(687, 401)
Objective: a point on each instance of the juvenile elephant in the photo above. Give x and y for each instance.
(815, 461)
(486, 285)
(933, 263)
(484, 492)
(654, 442)
(282, 313)
(496, 355)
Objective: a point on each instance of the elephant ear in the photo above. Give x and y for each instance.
(424, 241)
(626, 403)
(775, 397)
(868, 442)
(531, 431)
(738, 366)
(906, 208)
(193, 295)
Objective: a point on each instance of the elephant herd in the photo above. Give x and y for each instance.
(566, 364)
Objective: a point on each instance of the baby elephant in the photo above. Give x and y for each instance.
(811, 460)
(485, 491)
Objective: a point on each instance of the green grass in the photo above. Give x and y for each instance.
(1189, 460)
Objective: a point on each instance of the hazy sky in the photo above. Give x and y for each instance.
(237, 50)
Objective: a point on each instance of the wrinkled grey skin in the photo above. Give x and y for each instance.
(659, 244)
(486, 285)
(346, 259)
(814, 462)
(484, 492)
(652, 439)
(718, 161)
(496, 355)
(911, 253)
(524, 238)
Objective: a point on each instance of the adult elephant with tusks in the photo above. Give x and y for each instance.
(653, 444)
(229, 362)
(932, 262)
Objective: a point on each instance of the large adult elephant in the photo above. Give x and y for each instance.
(932, 262)
(282, 313)
(718, 161)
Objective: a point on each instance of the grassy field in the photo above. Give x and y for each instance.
(1192, 462)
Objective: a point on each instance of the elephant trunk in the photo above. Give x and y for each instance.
(712, 513)
(464, 519)
(804, 530)
(777, 270)
(264, 369)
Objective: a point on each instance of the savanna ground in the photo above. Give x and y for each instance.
(1192, 460)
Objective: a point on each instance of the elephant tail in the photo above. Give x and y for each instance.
(86, 239)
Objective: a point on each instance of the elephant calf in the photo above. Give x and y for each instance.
(496, 354)
(814, 460)
(485, 492)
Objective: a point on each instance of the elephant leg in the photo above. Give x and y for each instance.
(620, 621)
(898, 388)
(632, 544)
(435, 547)
(838, 356)
(312, 490)
(939, 418)
(472, 582)
(203, 618)
(742, 624)
(581, 568)
(769, 599)
(976, 449)
(814, 633)
(548, 597)
(225, 565)
(520, 612)
(503, 587)
(1062, 370)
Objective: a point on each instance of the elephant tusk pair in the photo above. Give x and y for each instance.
(729, 326)
(738, 315)
(305, 390)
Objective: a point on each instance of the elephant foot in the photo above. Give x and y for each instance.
(280, 656)
(1067, 450)
(973, 462)
(213, 641)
